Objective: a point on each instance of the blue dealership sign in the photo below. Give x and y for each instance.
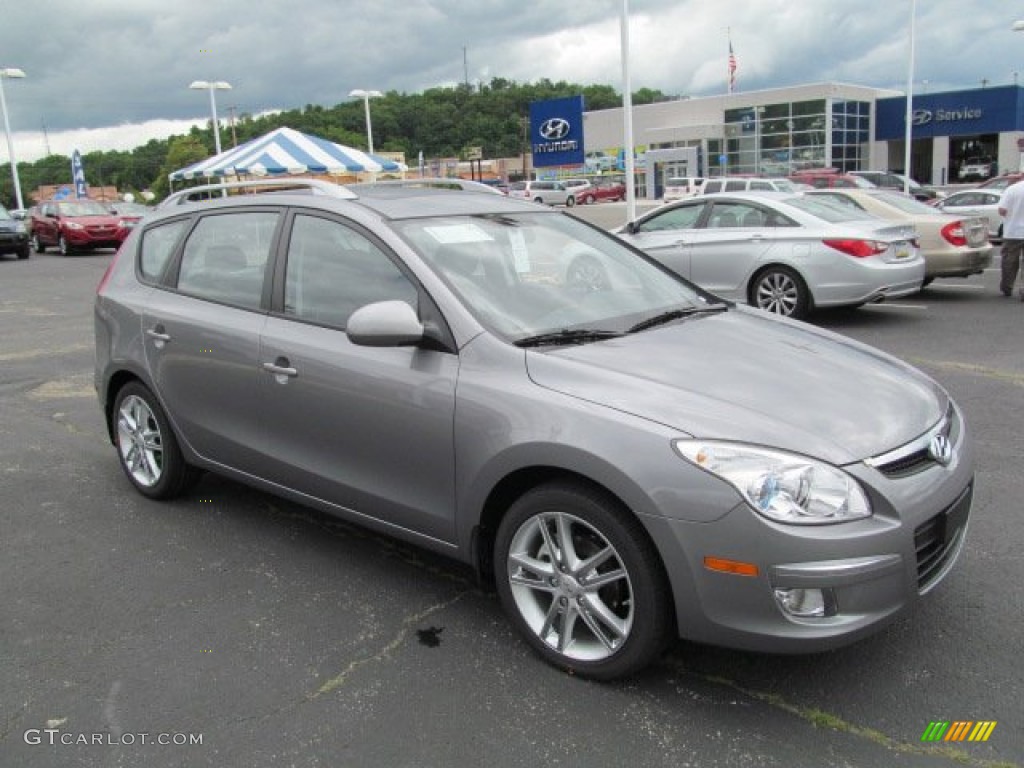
(78, 174)
(556, 132)
(956, 113)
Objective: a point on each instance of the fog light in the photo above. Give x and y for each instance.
(807, 603)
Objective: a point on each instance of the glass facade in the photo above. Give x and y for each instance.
(778, 139)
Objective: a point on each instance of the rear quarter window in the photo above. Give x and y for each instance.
(158, 245)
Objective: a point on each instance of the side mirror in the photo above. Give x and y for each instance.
(385, 324)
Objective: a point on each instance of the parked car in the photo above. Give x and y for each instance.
(608, 188)
(547, 192)
(786, 254)
(976, 203)
(130, 213)
(76, 224)
(745, 184)
(13, 235)
(1002, 182)
(897, 181)
(831, 179)
(976, 168)
(626, 460)
(952, 246)
(578, 188)
(682, 187)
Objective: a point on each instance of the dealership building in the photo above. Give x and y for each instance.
(779, 131)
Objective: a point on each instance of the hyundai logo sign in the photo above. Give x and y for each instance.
(921, 117)
(554, 129)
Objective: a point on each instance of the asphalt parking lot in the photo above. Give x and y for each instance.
(276, 636)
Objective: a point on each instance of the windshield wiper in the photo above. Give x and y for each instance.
(675, 314)
(567, 336)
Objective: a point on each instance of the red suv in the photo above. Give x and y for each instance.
(603, 189)
(76, 224)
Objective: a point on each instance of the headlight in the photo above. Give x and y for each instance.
(73, 225)
(781, 486)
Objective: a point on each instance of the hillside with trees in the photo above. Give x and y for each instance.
(439, 122)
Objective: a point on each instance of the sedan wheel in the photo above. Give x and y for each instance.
(570, 201)
(148, 450)
(781, 291)
(62, 246)
(37, 244)
(582, 581)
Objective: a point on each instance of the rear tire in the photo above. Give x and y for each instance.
(781, 291)
(570, 201)
(37, 244)
(146, 445)
(582, 582)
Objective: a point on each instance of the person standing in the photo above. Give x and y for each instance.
(1011, 208)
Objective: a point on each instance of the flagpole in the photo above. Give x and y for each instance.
(627, 116)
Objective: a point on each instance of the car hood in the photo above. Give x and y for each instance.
(740, 375)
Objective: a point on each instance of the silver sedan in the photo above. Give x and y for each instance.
(783, 253)
(982, 203)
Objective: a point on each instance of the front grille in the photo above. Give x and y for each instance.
(907, 465)
(938, 539)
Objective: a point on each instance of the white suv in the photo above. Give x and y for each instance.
(681, 187)
(743, 184)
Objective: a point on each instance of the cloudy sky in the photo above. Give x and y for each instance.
(110, 74)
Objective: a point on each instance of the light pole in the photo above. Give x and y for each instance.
(359, 93)
(211, 86)
(11, 72)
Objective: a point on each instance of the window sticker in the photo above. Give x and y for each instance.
(451, 234)
(520, 256)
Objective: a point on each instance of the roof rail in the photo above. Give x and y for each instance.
(435, 182)
(313, 186)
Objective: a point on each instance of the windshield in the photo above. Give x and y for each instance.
(533, 273)
(82, 209)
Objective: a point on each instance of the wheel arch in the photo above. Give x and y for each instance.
(756, 275)
(519, 482)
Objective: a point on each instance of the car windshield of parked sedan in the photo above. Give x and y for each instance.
(528, 275)
(82, 208)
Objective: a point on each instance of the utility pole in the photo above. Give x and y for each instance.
(234, 135)
(465, 67)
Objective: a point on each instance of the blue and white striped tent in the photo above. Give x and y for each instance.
(286, 151)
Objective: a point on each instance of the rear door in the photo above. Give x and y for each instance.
(367, 429)
(202, 333)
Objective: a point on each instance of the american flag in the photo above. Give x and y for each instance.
(732, 68)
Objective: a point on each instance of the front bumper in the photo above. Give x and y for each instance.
(869, 571)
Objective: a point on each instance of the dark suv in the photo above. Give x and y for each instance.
(77, 224)
(13, 235)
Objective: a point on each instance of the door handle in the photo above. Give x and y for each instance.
(281, 370)
(159, 337)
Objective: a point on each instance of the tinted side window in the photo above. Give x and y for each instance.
(157, 246)
(334, 270)
(735, 185)
(761, 185)
(225, 257)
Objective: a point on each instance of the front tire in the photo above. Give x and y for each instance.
(37, 244)
(582, 582)
(146, 445)
(781, 291)
(24, 251)
(570, 201)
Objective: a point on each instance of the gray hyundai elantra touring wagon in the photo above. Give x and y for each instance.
(625, 457)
